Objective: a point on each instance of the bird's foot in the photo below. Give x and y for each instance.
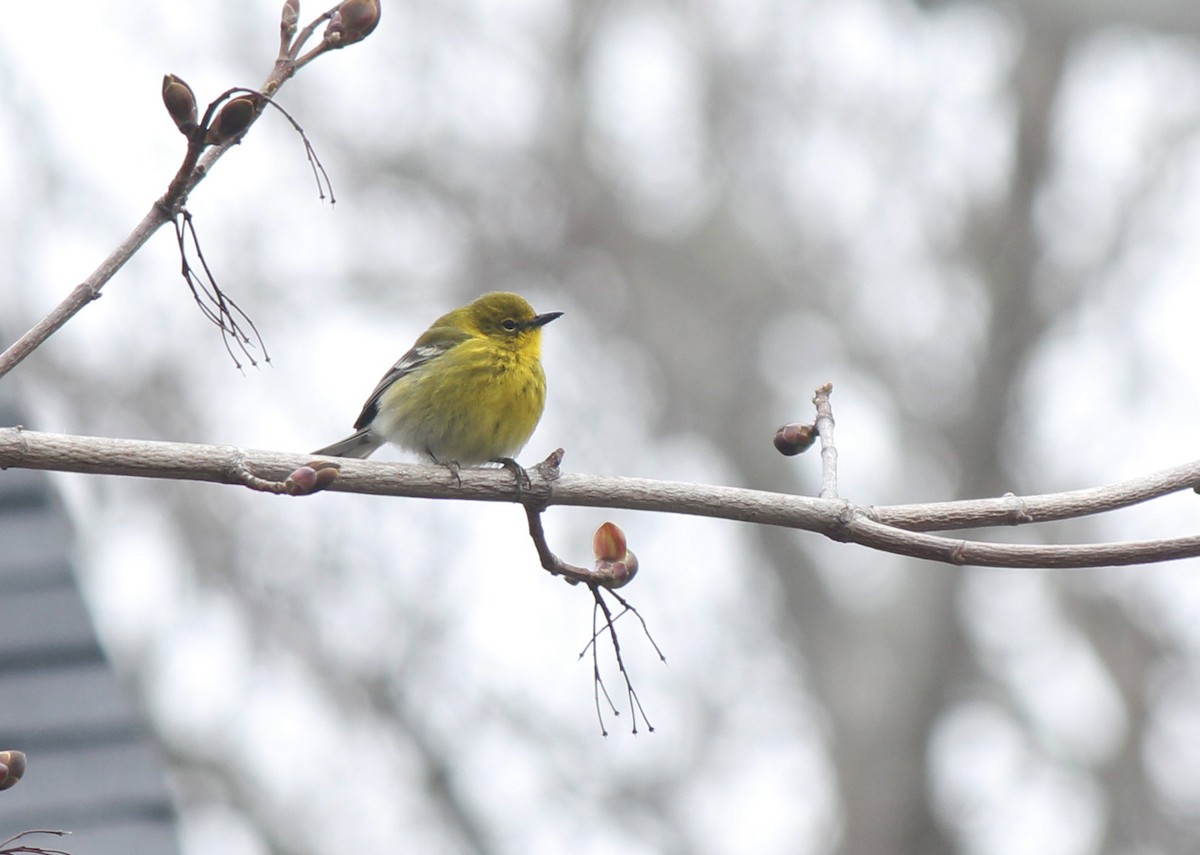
(520, 476)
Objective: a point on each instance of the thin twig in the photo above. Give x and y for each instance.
(551, 562)
(596, 632)
(628, 607)
(612, 572)
(307, 33)
(320, 176)
(221, 309)
(597, 680)
(534, 505)
(7, 849)
(824, 425)
(635, 703)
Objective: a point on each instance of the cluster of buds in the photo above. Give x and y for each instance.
(12, 767)
(229, 123)
(351, 22)
(313, 478)
(614, 562)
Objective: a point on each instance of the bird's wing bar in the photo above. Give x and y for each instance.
(412, 361)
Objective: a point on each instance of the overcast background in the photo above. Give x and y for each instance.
(978, 219)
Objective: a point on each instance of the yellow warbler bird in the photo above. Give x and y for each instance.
(471, 389)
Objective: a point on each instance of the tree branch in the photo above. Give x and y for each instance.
(898, 529)
(191, 172)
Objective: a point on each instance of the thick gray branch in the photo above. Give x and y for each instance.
(898, 529)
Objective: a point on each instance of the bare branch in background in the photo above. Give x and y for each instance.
(208, 140)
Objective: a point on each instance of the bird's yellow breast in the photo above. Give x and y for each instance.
(477, 402)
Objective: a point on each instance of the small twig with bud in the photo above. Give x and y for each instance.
(615, 566)
(796, 438)
(349, 22)
(609, 572)
(209, 138)
(225, 120)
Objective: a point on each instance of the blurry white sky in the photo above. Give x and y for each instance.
(89, 82)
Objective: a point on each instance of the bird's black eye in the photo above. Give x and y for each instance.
(509, 324)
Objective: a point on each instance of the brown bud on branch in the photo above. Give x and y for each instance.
(12, 768)
(352, 22)
(289, 18)
(794, 439)
(180, 102)
(234, 118)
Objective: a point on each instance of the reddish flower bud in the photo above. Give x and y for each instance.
(608, 543)
(614, 562)
(312, 478)
(302, 481)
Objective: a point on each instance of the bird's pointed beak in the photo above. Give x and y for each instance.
(542, 320)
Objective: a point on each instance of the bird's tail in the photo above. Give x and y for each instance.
(359, 444)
